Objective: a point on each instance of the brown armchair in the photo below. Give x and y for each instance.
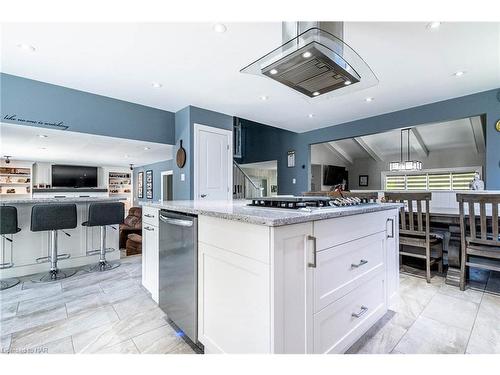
(131, 224)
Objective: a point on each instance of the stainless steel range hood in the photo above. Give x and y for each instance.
(314, 60)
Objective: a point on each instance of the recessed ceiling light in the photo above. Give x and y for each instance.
(42, 135)
(156, 85)
(310, 115)
(273, 71)
(43, 148)
(264, 97)
(147, 148)
(26, 47)
(127, 155)
(315, 93)
(347, 83)
(433, 25)
(306, 54)
(460, 73)
(220, 28)
(369, 99)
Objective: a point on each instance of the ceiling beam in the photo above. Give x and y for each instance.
(422, 149)
(477, 134)
(339, 152)
(368, 149)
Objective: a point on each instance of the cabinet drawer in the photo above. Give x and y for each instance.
(343, 322)
(342, 268)
(332, 232)
(150, 215)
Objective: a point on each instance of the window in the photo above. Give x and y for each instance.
(431, 180)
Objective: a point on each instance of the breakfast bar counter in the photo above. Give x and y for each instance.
(27, 246)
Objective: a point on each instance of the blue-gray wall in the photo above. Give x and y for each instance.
(35, 101)
(484, 103)
(157, 168)
(184, 129)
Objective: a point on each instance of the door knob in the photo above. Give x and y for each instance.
(203, 195)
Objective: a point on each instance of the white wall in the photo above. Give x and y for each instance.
(323, 155)
(449, 158)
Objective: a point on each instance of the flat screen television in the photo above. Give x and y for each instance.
(74, 176)
(333, 175)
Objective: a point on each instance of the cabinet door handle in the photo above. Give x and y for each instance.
(361, 312)
(203, 195)
(392, 228)
(148, 215)
(149, 228)
(313, 239)
(362, 262)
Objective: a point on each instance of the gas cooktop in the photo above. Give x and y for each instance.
(306, 202)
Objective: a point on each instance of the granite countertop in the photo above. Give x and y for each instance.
(12, 200)
(273, 217)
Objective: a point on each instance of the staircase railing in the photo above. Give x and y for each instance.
(240, 182)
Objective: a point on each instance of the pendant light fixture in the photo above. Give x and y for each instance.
(408, 164)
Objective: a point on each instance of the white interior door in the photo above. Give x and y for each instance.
(213, 165)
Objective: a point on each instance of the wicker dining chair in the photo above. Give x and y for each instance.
(415, 233)
(479, 233)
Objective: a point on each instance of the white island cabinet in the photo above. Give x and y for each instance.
(312, 287)
(277, 281)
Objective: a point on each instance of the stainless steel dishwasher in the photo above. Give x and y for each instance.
(178, 294)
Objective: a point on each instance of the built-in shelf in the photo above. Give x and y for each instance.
(15, 179)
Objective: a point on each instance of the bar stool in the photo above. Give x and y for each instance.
(100, 215)
(8, 225)
(53, 217)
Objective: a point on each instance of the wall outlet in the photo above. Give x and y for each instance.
(294, 181)
(183, 177)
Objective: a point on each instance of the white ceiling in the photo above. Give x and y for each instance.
(197, 66)
(24, 143)
(459, 134)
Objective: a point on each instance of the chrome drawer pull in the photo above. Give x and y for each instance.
(148, 215)
(313, 239)
(362, 312)
(149, 228)
(362, 262)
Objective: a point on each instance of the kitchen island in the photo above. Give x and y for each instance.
(275, 280)
(27, 246)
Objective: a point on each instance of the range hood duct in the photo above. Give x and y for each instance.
(314, 60)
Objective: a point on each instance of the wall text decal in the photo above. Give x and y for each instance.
(58, 125)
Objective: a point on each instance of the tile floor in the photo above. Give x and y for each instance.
(106, 312)
(111, 313)
(437, 318)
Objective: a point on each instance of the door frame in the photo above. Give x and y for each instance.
(164, 173)
(229, 135)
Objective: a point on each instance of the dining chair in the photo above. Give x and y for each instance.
(415, 237)
(480, 241)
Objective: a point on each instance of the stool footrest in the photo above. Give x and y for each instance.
(47, 259)
(98, 251)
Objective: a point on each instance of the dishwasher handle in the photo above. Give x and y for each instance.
(178, 222)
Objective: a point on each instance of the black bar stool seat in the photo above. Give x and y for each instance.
(101, 215)
(52, 218)
(8, 225)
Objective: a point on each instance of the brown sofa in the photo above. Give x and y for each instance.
(131, 224)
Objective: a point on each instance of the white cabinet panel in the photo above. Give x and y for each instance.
(150, 260)
(234, 302)
(341, 323)
(392, 253)
(150, 215)
(332, 232)
(342, 268)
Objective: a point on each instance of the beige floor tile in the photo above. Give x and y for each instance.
(162, 340)
(39, 318)
(136, 304)
(407, 305)
(92, 341)
(485, 337)
(126, 347)
(427, 336)
(468, 294)
(71, 326)
(453, 311)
